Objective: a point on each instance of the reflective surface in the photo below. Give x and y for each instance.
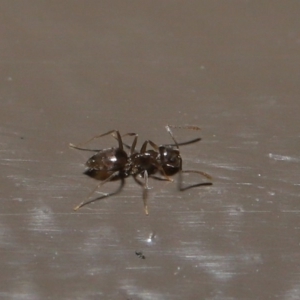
(72, 70)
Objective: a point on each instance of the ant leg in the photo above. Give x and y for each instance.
(115, 174)
(154, 146)
(132, 147)
(145, 190)
(99, 136)
(144, 147)
(161, 169)
(83, 149)
(180, 186)
(198, 172)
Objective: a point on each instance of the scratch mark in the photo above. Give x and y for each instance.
(283, 157)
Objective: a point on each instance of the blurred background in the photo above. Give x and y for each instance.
(74, 69)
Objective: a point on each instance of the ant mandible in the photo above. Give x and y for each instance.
(115, 164)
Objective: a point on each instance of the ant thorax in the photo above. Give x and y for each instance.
(141, 162)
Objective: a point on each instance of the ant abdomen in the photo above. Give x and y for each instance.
(104, 163)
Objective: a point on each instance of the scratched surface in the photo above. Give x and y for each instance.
(73, 69)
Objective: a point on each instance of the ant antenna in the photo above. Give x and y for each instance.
(172, 136)
(184, 127)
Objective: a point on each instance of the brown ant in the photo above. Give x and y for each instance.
(115, 164)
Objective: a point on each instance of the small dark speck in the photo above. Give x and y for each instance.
(140, 254)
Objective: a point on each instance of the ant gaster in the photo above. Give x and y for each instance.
(115, 164)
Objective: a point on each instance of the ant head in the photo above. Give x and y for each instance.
(170, 159)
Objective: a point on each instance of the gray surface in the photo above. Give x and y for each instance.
(73, 69)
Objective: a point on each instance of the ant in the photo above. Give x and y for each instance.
(115, 164)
